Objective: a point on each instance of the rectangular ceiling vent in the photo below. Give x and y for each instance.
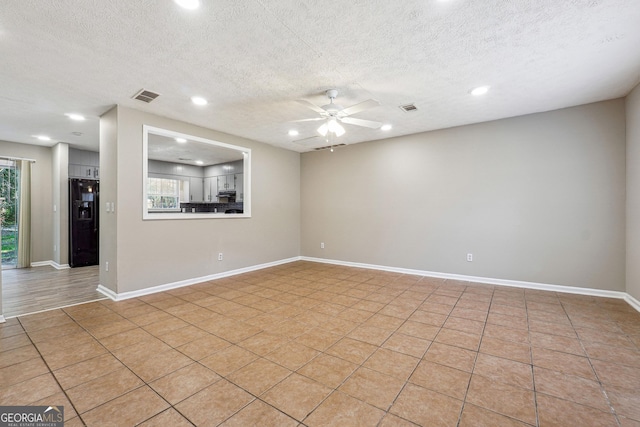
(408, 107)
(329, 146)
(145, 96)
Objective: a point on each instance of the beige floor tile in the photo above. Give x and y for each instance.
(228, 360)
(563, 362)
(292, 355)
(419, 330)
(69, 356)
(442, 379)
(18, 355)
(458, 339)
(14, 341)
(429, 317)
(126, 339)
(620, 355)
(103, 389)
(391, 420)
(504, 370)
(569, 387)
(625, 401)
(351, 350)
(263, 343)
(318, 338)
(454, 357)
(184, 382)
(426, 407)
(87, 370)
(514, 402)
(141, 351)
(340, 409)
(475, 416)
(328, 370)
(14, 374)
(130, 409)
(397, 365)
(464, 325)
(160, 365)
(259, 376)
(214, 404)
(370, 334)
(258, 413)
(297, 396)
(506, 349)
(557, 343)
(505, 333)
(617, 375)
(29, 391)
(407, 344)
(183, 336)
(169, 417)
(372, 387)
(202, 347)
(558, 412)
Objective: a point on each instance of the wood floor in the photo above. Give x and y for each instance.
(29, 290)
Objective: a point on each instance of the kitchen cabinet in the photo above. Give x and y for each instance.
(226, 183)
(210, 189)
(196, 189)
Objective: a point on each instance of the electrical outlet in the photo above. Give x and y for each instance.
(322, 245)
(55, 248)
(469, 257)
(220, 256)
(106, 266)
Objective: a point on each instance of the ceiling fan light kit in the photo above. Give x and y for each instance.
(335, 113)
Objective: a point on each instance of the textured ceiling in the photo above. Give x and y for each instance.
(253, 59)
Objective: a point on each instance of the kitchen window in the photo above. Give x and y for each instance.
(163, 194)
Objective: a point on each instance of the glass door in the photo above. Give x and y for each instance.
(9, 181)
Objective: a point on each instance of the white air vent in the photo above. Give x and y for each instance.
(408, 107)
(329, 146)
(146, 96)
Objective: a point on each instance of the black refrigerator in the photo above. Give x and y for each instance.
(83, 222)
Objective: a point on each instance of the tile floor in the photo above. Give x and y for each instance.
(307, 344)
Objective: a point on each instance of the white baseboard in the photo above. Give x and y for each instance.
(632, 302)
(168, 286)
(2, 319)
(500, 282)
(51, 264)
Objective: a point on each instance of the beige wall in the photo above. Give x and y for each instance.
(633, 193)
(41, 196)
(60, 165)
(156, 252)
(538, 198)
(108, 191)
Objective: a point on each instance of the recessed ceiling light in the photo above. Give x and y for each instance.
(188, 4)
(199, 162)
(42, 137)
(293, 132)
(181, 140)
(480, 90)
(198, 100)
(76, 117)
(386, 127)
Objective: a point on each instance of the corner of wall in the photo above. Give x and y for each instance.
(632, 276)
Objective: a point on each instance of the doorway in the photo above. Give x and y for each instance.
(9, 205)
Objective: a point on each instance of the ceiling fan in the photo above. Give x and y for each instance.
(332, 114)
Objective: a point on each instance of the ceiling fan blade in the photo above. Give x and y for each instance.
(365, 105)
(360, 122)
(308, 120)
(310, 105)
(306, 140)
